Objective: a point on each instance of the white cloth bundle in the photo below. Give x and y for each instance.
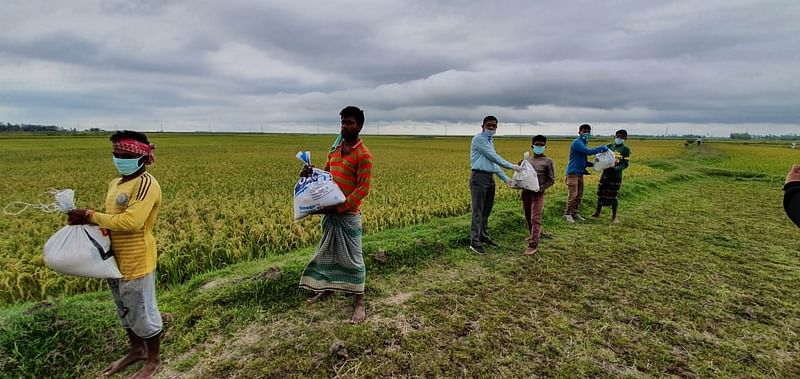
(604, 160)
(316, 191)
(525, 178)
(81, 250)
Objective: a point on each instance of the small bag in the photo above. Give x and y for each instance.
(81, 250)
(316, 191)
(604, 160)
(525, 178)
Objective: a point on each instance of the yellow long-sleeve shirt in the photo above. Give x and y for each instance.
(131, 210)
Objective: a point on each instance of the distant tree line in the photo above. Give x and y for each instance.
(748, 136)
(7, 127)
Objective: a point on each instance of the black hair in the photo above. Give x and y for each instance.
(489, 118)
(584, 127)
(538, 138)
(354, 112)
(129, 134)
(623, 132)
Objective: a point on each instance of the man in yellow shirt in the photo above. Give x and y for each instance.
(132, 205)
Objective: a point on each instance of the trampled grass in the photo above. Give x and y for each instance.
(227, 198)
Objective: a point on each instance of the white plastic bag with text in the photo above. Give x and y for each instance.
(316, 191)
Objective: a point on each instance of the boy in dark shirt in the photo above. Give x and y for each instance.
(611, 180)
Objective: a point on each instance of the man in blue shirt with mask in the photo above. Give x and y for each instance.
(578, 152)
(485, 163)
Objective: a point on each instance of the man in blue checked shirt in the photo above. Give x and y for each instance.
(485, 163)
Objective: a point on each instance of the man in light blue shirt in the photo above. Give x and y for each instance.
(485, 163)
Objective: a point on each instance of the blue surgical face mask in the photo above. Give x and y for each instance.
(586, 136)
(127, 166)
(619, 141)
(490, 132)
(538, 150)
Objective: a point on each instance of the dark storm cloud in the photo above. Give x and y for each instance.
(64, 47)
(242, 62)
(341, 44)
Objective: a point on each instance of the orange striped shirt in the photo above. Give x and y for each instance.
(353, 173)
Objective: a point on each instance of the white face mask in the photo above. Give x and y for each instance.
(490, 132)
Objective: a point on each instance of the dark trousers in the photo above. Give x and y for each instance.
(532, 205)
(481, 187)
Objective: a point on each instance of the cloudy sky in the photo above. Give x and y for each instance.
(416, 67)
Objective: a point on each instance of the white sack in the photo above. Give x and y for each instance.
(525, 178)
(81, 250)
(316, 191)
(604, 160)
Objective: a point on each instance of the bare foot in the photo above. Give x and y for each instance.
(147, 371)
(127, 360)
(358, 314)
(320, 296)
(530, 251)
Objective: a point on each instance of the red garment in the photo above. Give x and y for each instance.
(133, 146)
(353, 173)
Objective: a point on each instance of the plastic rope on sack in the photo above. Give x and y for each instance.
(316, 191)
(64, 201)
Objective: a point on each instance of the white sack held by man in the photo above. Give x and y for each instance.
(604, 160)
(316, 191)
(525, 178)
(79, 250)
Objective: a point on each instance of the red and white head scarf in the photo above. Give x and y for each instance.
(133, 146)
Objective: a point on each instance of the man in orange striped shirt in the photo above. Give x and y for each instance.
(338, 264)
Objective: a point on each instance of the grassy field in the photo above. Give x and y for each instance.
(229, 198)
(698, 280)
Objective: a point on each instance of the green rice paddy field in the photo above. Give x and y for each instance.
(699, 279)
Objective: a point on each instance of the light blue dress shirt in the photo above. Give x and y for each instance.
(483, 157)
